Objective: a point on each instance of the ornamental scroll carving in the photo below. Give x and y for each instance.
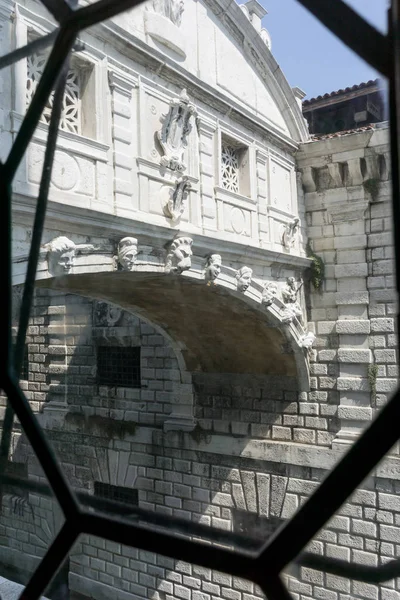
(176, 203)
(290, 233)
(176, 127)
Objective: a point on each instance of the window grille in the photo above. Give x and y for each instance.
(118, 366)
(116, 492)
(25, 364)
(70, 119)
(253, 525)
(229, 168)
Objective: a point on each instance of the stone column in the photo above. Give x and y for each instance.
(261, 174)
(206, 131)
(353, 325)
(122, 140)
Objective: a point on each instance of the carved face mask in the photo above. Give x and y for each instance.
(61, 264)
(213, 268)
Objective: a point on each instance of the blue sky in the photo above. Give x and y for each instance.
(309, 55)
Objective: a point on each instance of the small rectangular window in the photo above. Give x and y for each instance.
(253, 525)
(116, 492)
(25, 364)
(234, 167)
(118, 366)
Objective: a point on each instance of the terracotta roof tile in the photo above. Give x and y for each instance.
(315, 138)
(353, 88)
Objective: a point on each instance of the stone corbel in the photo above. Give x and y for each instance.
(355, 173)
(336, 174)
(372, 162)
(309, 183)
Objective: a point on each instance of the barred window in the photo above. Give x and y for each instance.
(253, 525)
(118, 366)
(71, 117)
(230, 168)
(116, 492)
(25, 364)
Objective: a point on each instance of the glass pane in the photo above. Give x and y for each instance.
(30, 518)
(98, 566)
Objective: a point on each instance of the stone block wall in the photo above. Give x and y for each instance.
(348, 207)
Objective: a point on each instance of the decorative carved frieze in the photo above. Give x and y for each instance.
(179, 257)
(243, 277)
(176, 127)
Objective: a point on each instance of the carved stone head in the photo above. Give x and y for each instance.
(127, 252)
(243, 277)
(213, 267)
(61, 256)
(179, 257)
(270, 292)
(291, 282)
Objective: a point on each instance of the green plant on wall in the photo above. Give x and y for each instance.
(317, 269)
(372, 375)
(372, 187)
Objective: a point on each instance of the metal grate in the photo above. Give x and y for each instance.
(116, 492)
(264, 566)
(118, 366)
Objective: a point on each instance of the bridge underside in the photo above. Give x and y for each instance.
(215, 329)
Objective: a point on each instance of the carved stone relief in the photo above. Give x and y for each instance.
(179, 257)
(175, 206)
(213, 268)
(243, 277)
(290, 296)
(176, 127)
(106, 315)
(127, 252)
(172, 9)
(290, 233)
(61, 256)
(269, 293)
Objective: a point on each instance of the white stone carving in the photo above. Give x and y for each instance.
(269, 293)
(127, 252)
(179, 257)
(176, 203)
(172, 9)
(61, 256)
(307, 340)
(229, 168)
(243, 276)
(290, 294)
(70, 119)
(213, 268)
(176, 127)
(290, 233)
